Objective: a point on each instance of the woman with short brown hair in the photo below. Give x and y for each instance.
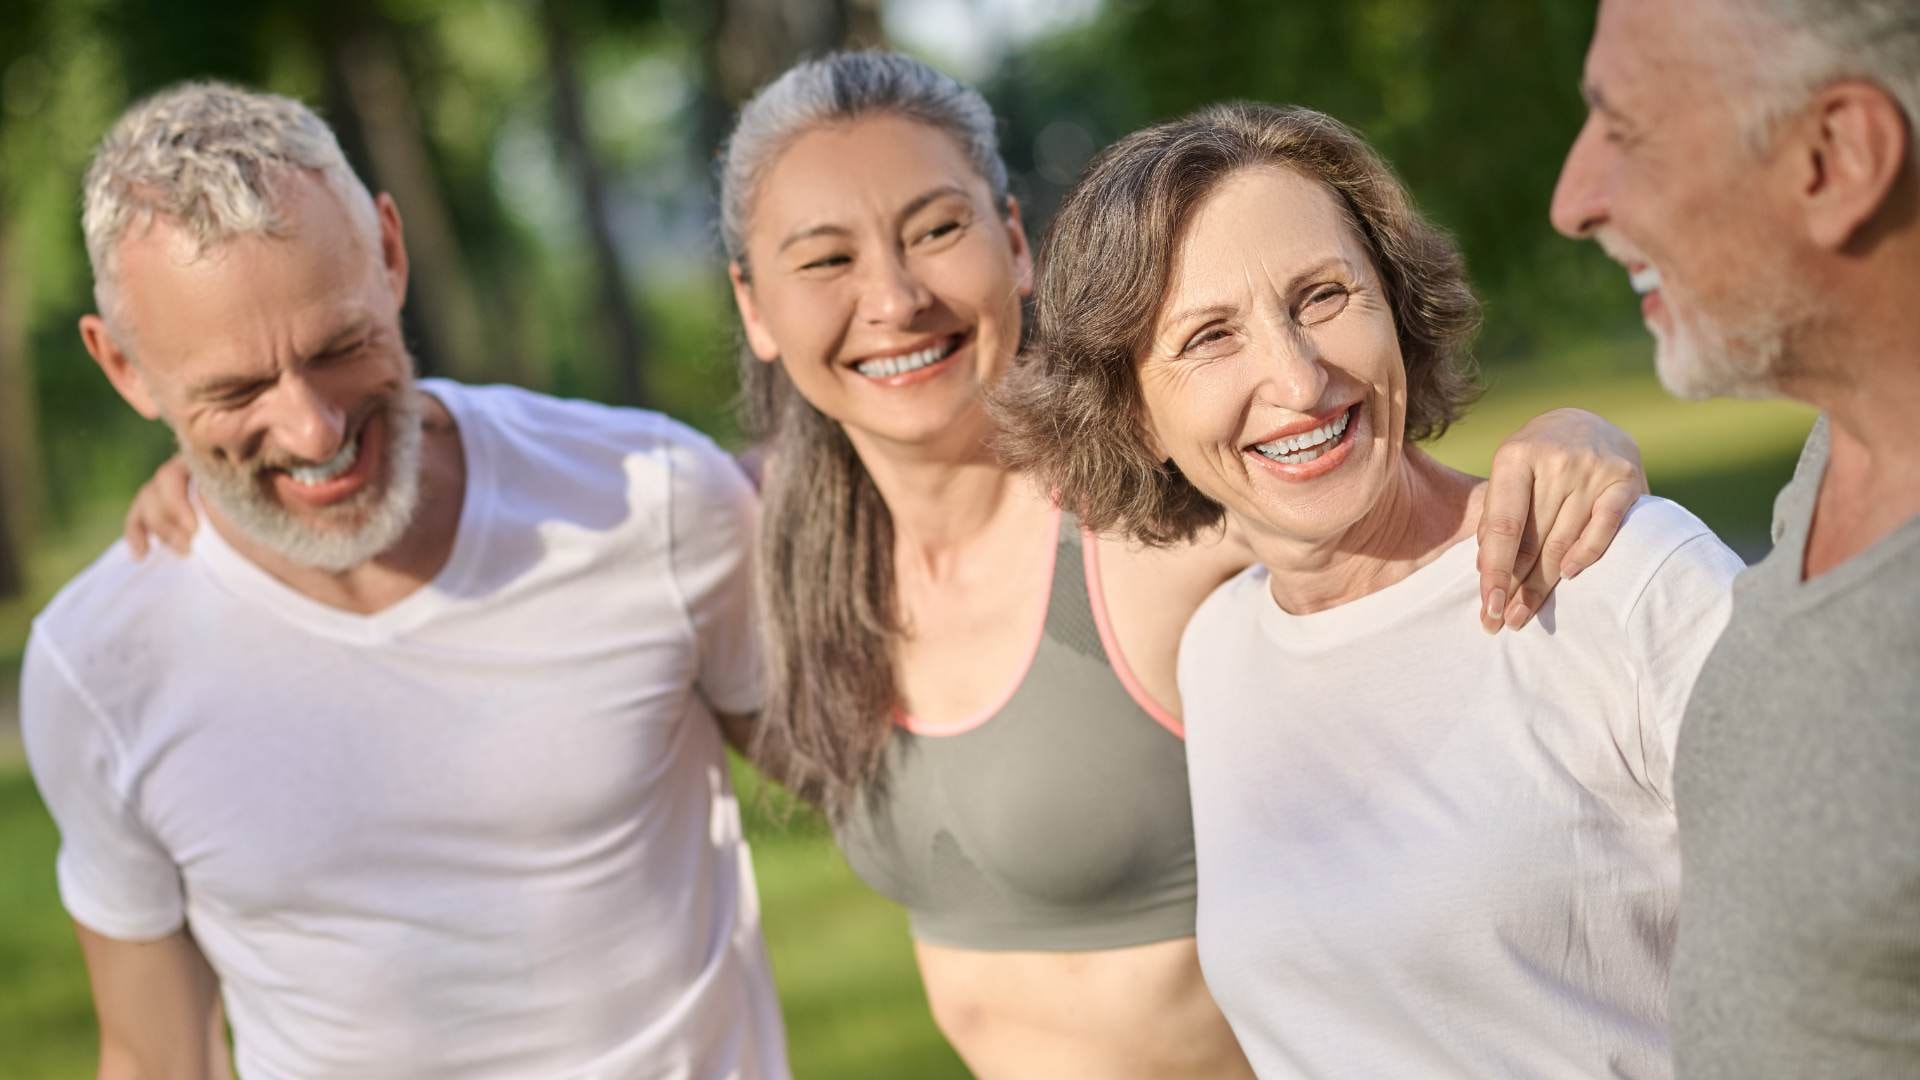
(1421, 851)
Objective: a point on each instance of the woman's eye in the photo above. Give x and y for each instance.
(940, 232)
(1323, 302)
(826, 262)
(1204, 338)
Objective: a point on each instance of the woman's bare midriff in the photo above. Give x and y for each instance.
(1115, 1014)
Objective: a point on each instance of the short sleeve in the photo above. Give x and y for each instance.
(1674, 624)
(114, 877)
(715, 519)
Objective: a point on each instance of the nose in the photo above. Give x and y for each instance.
(1579, 198)
(1294, 374)
(891, 295)
(306, 422)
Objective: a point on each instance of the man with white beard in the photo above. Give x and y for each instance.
(1755, 166)
(415, 762)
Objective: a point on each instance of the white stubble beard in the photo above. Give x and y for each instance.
(1740, 355)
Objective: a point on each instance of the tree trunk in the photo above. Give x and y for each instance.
(749, 42)
(625, 333)
(365, 67)
(19, 446)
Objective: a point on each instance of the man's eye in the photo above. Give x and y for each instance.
(239, 395)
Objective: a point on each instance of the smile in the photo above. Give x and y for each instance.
(1644, 278)
(887, 367)
(1298, 449)
(340, 462)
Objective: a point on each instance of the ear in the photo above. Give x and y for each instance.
(1151, 436)
(1857, 144)
(1022, 250)
(758, 338)
(118, 365)
(393, 244)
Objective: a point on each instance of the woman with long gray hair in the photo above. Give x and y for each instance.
(978, 693)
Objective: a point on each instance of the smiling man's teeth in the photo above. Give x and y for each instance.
(1645, 280)
(1304, 447)
(889, 366)
(309, 475)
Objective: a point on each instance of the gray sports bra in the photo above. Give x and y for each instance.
(1058, 822)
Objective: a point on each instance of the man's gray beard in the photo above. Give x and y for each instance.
(1740, 357)
(238, 495)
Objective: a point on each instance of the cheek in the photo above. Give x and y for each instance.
(1198, 416)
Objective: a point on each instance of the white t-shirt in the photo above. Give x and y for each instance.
(487, 831)
(1427, 852)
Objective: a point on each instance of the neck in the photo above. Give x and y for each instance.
(945, 499)
(1426, 508)
(403, 568)
(1858, 360)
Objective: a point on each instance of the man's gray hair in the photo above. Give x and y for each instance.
(208, 157)
(1815, 42)
(835, 89)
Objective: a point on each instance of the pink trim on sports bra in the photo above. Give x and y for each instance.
(922, 727)
(1090, 547)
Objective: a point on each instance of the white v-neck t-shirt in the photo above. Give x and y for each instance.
(487, 831)
(1425, 851)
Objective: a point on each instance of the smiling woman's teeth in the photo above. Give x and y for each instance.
(1645, 280)
(1304, 447)
(309, 475)
(889, 366)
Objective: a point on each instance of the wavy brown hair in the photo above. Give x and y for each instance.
(1071, 412)
(826, 578)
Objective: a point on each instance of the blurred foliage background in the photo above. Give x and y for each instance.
(552, 160)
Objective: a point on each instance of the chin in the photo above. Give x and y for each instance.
(1696, 365)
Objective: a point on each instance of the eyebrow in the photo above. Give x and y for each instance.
(913, 206)
(1331, 262)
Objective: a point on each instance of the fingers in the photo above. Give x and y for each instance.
(161, 511)
(1504, 537)
(134, 530)
(1609, 513)
(179, 522)
(1562, 524)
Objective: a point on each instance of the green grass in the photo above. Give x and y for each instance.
(841, 955)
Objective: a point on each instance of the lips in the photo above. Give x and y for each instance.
(914, 364)
(339, 478)
(1311, 448)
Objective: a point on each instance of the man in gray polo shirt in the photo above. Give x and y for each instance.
(1752, 163)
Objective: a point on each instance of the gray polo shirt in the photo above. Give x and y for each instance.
(1798, 789)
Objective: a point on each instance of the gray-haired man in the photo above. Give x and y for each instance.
(414, 760)
(1753, 163)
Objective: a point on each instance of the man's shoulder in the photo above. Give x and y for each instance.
(519, 411)
(547, 442)
(117, 620)
(117, 592)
